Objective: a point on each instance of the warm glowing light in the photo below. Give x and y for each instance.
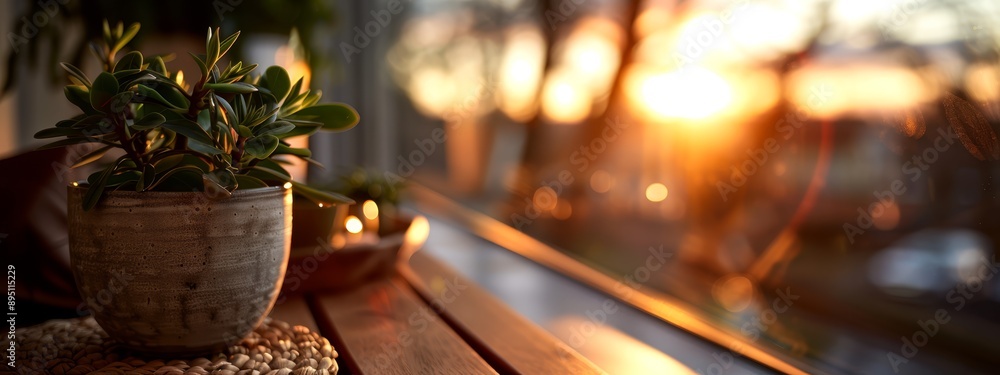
(830, 92)
(656, 192)
(353, 224)
(415, 237)
(734, 293)
(521, 72)
(545, 198)
(432, 92)
(601, 181)
(320, 205)
(768, 30)
(75, 184)
(690, 93)
(592, 56)
(983, 82)
(565, 98)
(287, 185)
(370, 209)
(653, 18)
(889, 217)
(614, 351)
(563, 210)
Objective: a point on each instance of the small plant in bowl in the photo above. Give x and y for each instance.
(197, 208)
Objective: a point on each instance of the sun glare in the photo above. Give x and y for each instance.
(692, 93)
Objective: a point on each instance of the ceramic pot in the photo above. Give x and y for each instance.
(178, 273)
(316, 223)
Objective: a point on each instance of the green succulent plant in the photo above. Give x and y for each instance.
(361, 185)
(220, 134)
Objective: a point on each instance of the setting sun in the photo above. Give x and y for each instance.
(693, 94)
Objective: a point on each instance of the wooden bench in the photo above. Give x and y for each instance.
(428, 319)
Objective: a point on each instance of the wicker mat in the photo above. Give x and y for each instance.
(80, 346)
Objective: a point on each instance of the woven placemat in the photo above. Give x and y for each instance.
(80, 346)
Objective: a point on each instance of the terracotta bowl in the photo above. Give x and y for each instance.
(326, 267)
(179, 273)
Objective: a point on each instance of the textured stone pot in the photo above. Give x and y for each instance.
(179, 273)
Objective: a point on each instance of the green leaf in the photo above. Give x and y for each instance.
(248, 182)
(231, 116)
(244, 131)
(276, 128)
(91, 157)
(76, 73)
(57, 132)
(204, 148)
(174, 96)
(223, 177)
(119, 179)
(277, 81)
(201, 63)
(301, 130)
(296, 89)
(333, 116)
(104, 88)
(149, 121)
(157, 65)
(65, 142)
(126, 36)
(106, 31)
(213, 48)
(189, 129)
(261, 147)
(227, 43)
(148, 95)
(179, 179)
(269, 170)
(80, 97)
(232, 88)
(96, 189)
(320, 196)
(148, 177)
(285, 150)
(166, 161)
(120, 101)
(131, 60)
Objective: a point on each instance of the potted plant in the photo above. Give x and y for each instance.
(196, 210)
(332, 252)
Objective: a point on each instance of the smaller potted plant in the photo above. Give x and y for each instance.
(195, 208)
(366, 240)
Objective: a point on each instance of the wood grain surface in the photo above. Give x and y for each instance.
(383, 327)
(508, 341)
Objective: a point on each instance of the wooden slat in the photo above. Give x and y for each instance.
(508, 341)
(295, 311)
(383, 327)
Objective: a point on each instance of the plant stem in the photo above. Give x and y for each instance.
(125, 141)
